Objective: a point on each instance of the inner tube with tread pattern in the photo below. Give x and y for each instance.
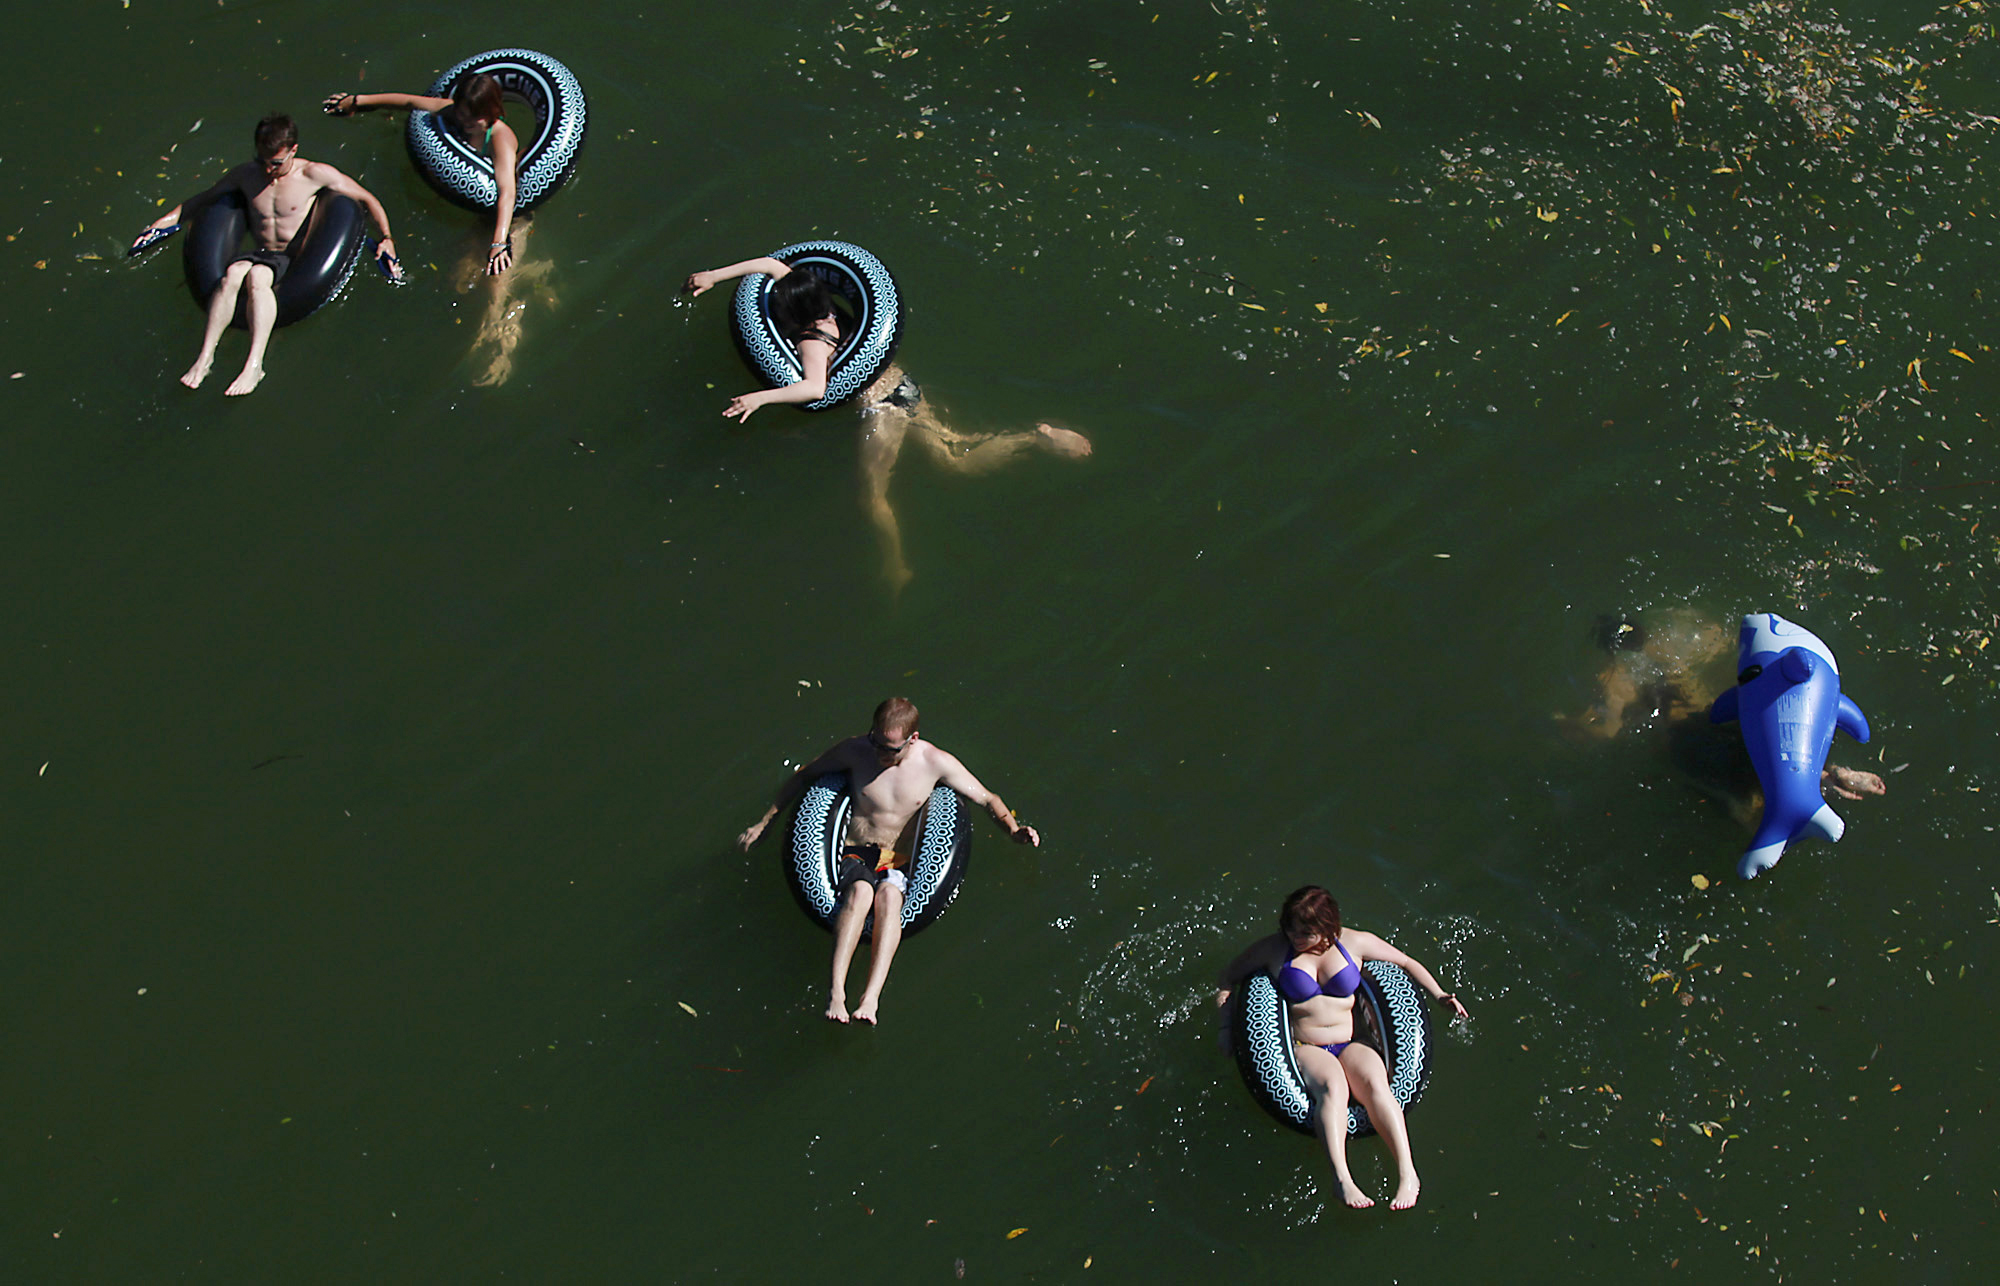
(1390, 1017)
(943, 831)
(462, 174)
(868, 337)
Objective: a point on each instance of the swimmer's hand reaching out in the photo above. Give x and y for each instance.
(385, 259)
(699, 283)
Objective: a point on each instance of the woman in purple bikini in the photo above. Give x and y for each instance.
(1319, 974)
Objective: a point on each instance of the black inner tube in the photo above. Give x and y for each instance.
(323, 253)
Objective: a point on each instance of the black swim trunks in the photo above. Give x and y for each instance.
(903, 397)
(276, 260)
(869, 863)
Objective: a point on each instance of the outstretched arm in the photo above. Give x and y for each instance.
(699, 283)
(506, 155)
(1367, 946)
(788, 794)
(348, 104)
(172, 217)
(1261, 956)
(334, 181)
(953, 774)
(815, 357)
(1264, 953)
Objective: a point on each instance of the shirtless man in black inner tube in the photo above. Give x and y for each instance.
(278, 190)
(891, 773)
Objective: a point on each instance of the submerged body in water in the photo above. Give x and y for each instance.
(1665, 673)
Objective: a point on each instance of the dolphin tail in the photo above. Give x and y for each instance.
(1770, 841)
(1757, 860)
(1850, 720)
(1724, 709)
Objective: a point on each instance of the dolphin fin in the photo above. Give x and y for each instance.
(1825, 824)
(1724, 709)
(1850, 720)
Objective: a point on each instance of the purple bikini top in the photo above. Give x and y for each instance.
(1298, 986)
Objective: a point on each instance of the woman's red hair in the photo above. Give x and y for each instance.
(1311, 910)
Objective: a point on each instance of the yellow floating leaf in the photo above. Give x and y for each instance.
(1017, 1232)
(1560, 320)
(1659, 1143)
(1321, 307)
(1956, 353)
(1239, 198)
(1724, 319)
(690, 1008)
(1701, 881)
(1259, 307)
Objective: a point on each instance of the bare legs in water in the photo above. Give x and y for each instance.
(1672, 677)
(887, 903)
(263, 315)
(1359, 1072)
(886, 426)
(507, 300)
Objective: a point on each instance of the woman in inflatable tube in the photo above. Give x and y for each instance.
(829, 363)
(1316, 963)
(475, 118)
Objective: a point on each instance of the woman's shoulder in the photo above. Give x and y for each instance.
(1359, 940)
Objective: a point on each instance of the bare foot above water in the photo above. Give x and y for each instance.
(246, 382)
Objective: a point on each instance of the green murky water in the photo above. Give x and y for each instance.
(376, 741)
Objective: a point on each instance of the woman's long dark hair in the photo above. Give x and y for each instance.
(475, 98)
(798, 300)
(1312, 909)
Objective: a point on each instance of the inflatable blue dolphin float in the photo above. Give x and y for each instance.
(1788, 698)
